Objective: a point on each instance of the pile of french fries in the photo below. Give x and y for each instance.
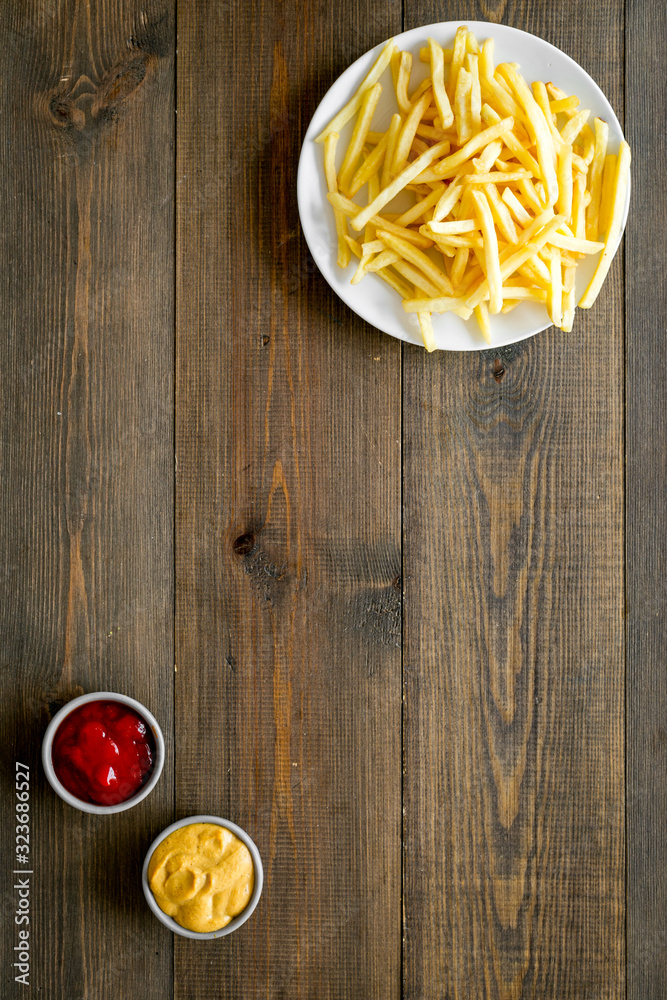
(512, 188)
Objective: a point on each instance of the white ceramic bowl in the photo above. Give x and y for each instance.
(235, 922)
(372, 299)
(59, 717)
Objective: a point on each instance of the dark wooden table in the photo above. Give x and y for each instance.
(400, 616)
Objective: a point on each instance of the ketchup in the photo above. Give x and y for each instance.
(103, 752)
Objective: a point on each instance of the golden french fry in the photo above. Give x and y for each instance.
(373, 192)
(607, 193)
(330, 161)
(472, 45)
(536, 271)
(456, 226)
(568, 299)
(462, 110)
(515, 207)
(447, 200)
(353, 105)
(404, 69)
(394, 282)
(418, 209)
(530, 195)
(426, 84)
(438, 78)
(482, 316)
(497, 177)
(564, 105)
(472, 65)
(426, 327)
(491, 257)
(447, 242)
(354, 150)
(428, 176)
(392, 133)
(615, 224)
(415, 276)
(503, 165)
(542, 100)
(595, 178)
(418, 146)
(407, 133)
(362, 268)
(370, 247)
(560, 102)
(394, 64)
(515, 292)
(501, 213)
(537, 226)
(425, 54)
(370, 166)
(343, 258)
(458, 55)
(384, 259)
(429, 132)
(574, 126)
(577, 246)
(458, 267)
(564, 202)
(579, 164)
(487, 157)
(587, 138)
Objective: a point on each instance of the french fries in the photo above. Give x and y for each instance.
(620, 191)
(511, 187)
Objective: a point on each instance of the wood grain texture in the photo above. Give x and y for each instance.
(513, 636)
(86, 456)
(289, 541)
(646, 531)
(288, 619)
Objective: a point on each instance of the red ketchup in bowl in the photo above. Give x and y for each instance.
(103, 752)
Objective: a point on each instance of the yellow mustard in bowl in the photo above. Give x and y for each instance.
(202, 875)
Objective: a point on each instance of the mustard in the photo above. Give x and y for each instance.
(202, 875)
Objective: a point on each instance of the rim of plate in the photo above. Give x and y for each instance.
(377, 304)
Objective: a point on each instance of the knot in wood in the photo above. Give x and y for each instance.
(498, 370)
(244, 544)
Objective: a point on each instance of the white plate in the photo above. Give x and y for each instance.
(372, 299)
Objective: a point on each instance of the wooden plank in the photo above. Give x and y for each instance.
(86, 450)
(288, 523)
(646, 539)
(513, 637)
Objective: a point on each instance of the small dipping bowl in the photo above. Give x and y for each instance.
(59, 718)
(236, 921)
